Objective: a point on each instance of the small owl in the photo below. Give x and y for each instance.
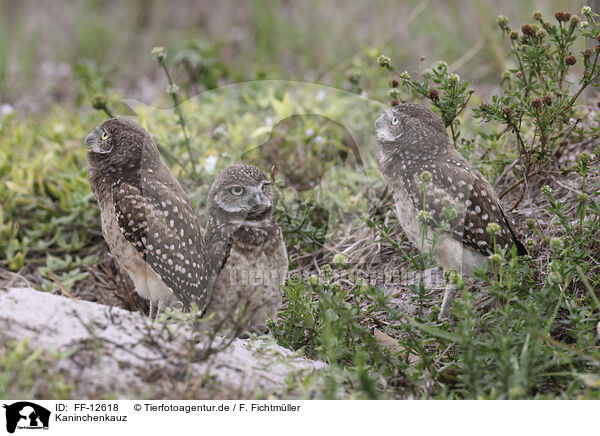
(147, 219)
(245, 252)
(412, 140)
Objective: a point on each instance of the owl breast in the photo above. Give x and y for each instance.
(449, 253)
(146, 281)
(248, 288)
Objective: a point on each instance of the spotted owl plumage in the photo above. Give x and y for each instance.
(246, 255)
(412, 139)
(147, 219)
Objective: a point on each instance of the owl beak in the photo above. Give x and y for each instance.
(254, 201)
(90, 138)
(259, 203)
(382, 130)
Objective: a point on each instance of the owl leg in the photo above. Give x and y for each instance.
(449, 292)
(152, 313)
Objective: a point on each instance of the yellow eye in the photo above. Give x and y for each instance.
(237, 191)
(395, 121)
(104, 136)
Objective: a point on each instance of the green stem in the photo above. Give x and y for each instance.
(180, 117)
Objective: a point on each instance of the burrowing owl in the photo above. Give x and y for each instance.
(147, 219)
(412, 139)
(245, 250)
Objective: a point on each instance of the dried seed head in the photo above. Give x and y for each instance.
(394, 83)
(394, 102)
(434, 94)
(537, 15)
(574, 20)
(527, 29)
(547, 100)
(570, 60)
(506, 111)
(514, 34)
(536, 102)
(597, 48)
(586, 53)
(523, 39)
(562, 16)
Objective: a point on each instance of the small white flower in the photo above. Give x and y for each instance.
(453, 78)
(309, 132)
(172, 89)
(586, 10)
(5, 110)
(269, 121)
(210, 163)
(584, 24)
(321, 94)
(319, 139)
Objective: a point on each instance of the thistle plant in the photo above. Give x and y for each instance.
(538, 101)
(446, 91)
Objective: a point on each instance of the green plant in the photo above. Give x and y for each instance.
(446, 92)
(27, 372)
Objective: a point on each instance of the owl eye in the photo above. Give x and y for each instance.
(395, 121)
(237, 191)
(264, 186)
(104, 136)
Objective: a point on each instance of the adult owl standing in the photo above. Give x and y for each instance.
(245, 252)
(414, 149)
(147, 219)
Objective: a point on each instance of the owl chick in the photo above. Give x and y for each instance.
(413, 140)
(147, 219)
(245, 251)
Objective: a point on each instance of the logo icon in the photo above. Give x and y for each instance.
(26, 415)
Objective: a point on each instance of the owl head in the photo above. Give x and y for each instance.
(120, 145)
(412, 125)
(241, 193)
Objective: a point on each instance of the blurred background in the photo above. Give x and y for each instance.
(63, 52)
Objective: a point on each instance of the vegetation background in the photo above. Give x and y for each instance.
(296, 86)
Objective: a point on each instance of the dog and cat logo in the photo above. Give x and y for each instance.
(26, 415)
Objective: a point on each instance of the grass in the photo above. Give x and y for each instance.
(526, 329)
